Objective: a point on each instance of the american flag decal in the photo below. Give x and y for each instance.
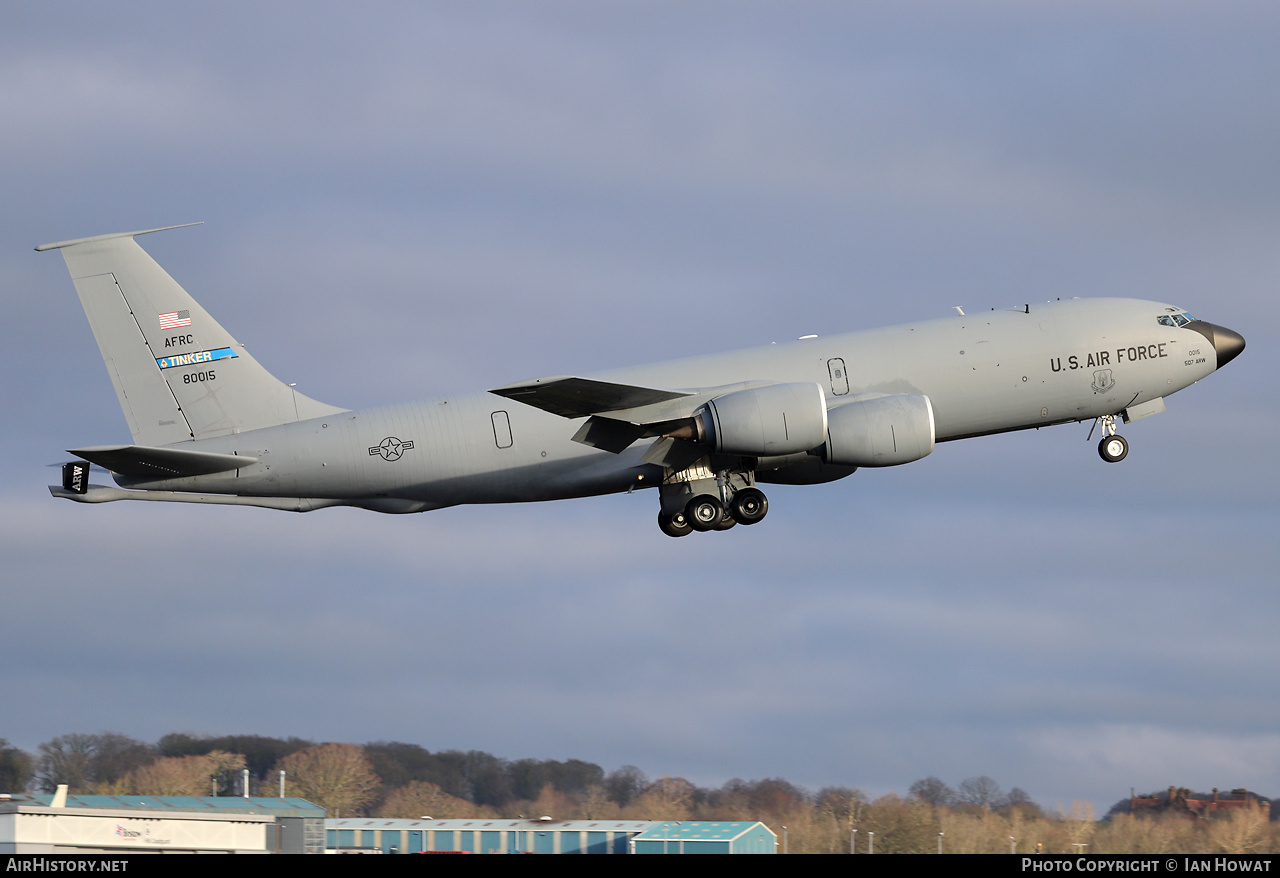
(175, 319)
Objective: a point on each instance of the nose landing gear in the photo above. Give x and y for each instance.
(1113, 448)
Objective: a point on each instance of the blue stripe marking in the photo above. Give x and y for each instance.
(195, 359)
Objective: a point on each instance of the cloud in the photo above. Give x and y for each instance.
(411, 201)
(1149, 757)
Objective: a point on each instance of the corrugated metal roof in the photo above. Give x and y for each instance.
(700, 830)
(190, 804)
(491, 825)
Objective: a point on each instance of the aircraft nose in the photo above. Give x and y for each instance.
(1227, 342)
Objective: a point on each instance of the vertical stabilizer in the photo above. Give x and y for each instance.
(178, 374)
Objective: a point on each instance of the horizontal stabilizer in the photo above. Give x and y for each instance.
(94, 239)
(105, 494)
(572, 397)
(140, 461)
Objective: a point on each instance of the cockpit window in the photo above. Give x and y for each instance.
(1180, 318)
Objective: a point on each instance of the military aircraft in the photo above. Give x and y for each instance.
(211, 425)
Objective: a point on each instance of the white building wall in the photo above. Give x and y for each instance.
(79, 830)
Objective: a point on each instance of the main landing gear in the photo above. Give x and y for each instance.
(1113, 448)
(704, 512)
(675, 525)
(696, 499)
(749, 506)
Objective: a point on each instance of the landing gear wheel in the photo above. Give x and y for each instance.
(704, 512)
(749, 506)
(675, 525)
(726, 521)
(1113, 449)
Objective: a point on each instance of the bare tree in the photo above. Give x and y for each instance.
(625, 784)
(1245, 830)
(115, 755)
(933, 791)
(337, 777)
(16, 768)
(183, 775)
(667, 798)
(260, 753)
(595, 804)
(842, 803)
(1020, 799)
(66, 760)
(422, 798)
(84, 762)
(981, 792)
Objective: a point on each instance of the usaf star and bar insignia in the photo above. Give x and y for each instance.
(391, 448)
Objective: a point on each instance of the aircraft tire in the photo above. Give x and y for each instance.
(726, 521)
(1113, 449)
(674, 525)
(749, 506)
(704, 512)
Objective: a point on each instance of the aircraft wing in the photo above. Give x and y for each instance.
(636, 411)
(571, 397)
(619, 414)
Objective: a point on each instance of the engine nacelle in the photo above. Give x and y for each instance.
(884, 431)
(807, 471)
(764, 421)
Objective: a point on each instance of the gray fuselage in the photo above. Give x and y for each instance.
(984, 373)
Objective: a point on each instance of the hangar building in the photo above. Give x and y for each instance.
(479, 836)
(61, 824)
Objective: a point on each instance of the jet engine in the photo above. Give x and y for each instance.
(884, 431)
(765, 421)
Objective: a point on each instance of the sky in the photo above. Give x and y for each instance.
(405, 200)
